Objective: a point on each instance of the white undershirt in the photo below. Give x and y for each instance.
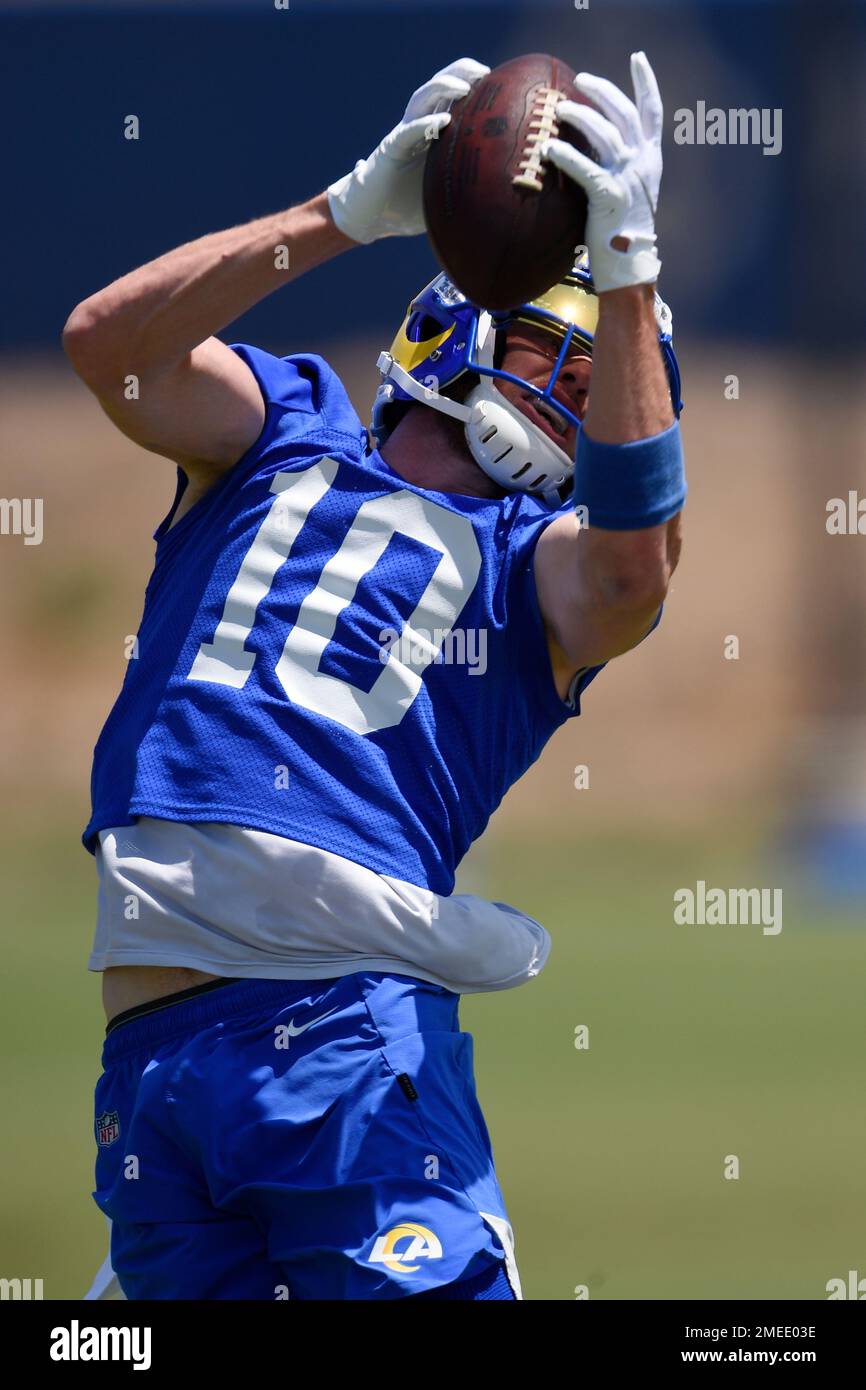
(245, 903)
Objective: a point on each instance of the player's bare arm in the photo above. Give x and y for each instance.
(197, 402)
(600, 587)
(600, 590)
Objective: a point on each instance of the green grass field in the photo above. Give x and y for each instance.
(704, 1042)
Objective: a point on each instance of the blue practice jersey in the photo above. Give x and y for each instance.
(331, 654)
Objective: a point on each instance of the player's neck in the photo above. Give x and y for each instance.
(429, 450)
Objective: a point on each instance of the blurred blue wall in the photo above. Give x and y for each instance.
(245, 109)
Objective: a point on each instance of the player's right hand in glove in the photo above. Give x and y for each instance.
(622, 189)
(383, 194)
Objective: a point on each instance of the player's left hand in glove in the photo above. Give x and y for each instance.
(383, 194)
(623, 187)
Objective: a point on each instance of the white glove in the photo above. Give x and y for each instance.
(623, 187)
(383, 194)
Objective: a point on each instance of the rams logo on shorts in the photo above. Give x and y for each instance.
(422, 1244)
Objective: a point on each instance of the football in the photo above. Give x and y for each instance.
(502, 222)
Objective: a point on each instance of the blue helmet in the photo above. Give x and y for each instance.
(444, 336)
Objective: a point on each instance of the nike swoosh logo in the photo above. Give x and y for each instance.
(293, 1031)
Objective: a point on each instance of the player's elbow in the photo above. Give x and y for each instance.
(78, 336)
(616, 613)
(85, 342)
(632, 571)
(634, 589)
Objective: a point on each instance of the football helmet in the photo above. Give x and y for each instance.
(444, 336)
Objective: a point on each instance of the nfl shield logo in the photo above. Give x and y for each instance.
(107, 1127)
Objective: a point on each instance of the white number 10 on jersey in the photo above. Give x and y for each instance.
(225, 660)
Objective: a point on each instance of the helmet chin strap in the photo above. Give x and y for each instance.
(423, 394)
(511, 449)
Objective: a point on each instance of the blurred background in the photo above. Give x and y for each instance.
(740, 764)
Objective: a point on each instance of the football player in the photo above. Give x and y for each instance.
(352, 645)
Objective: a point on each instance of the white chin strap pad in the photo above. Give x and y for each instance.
(513, 451)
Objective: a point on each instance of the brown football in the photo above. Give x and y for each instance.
(504, 224)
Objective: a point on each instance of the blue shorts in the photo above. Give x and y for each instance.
(270, 1139)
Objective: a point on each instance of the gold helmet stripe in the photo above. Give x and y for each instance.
(409, 355)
